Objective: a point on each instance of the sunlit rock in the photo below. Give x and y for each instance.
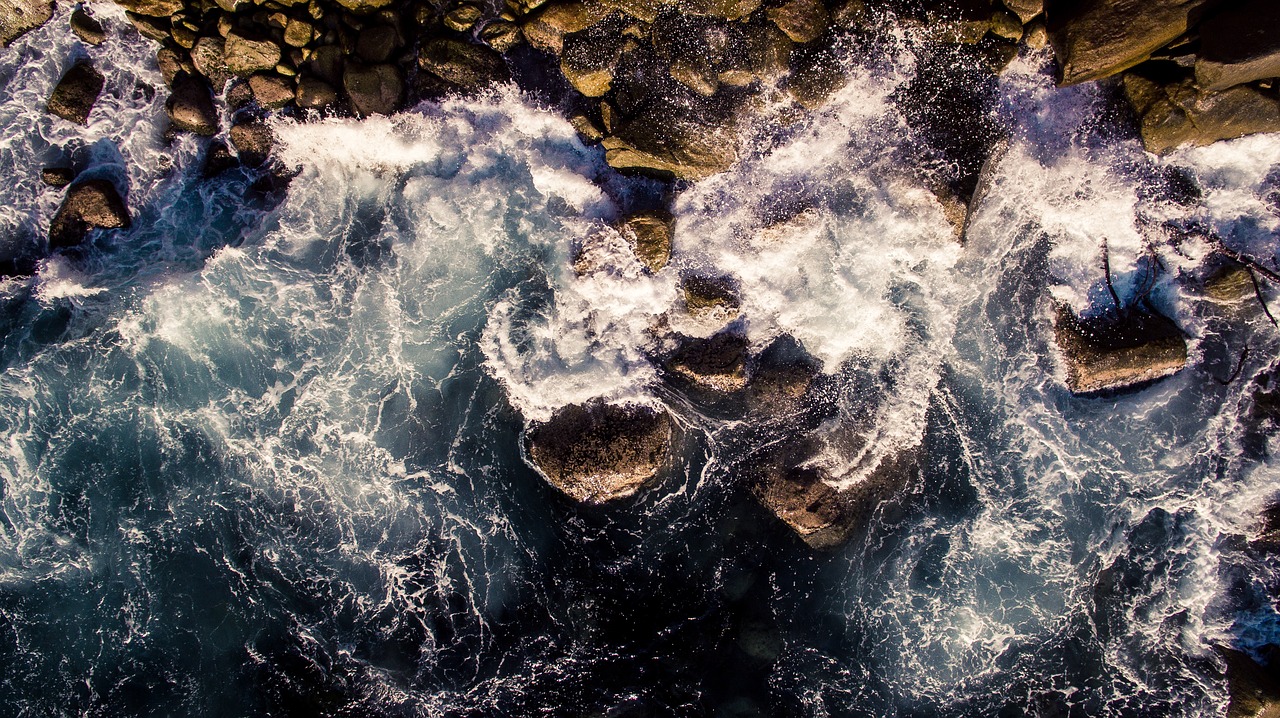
(91, 204)
(1097, 38)
(649, 234)
(76, 92)
(1239, 43)
(711, 297)
(190, 106)
(1116, 353)
(717, 363)
(18, 17)
(1177, 113)
(600, 452)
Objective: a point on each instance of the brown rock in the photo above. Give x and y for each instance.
(57, 176)
(1176, 114)
(723, 9)
(711, 297)
(170, 64)
(600, 452)
(373, 89)
(190, 106)
(1006, 25)
(1253, 689)
(717, 363)
(87, 28)
(183, 36)
(271, 91)
(218, 159)
(363, 6)
(245, 54)
(252, 141)
(297, 33)
(1097, 38)
(462, 18)
(1117, 353)
(649, 234)
(73, 97)
(152, 8)
(547, 28)
(768, 52)
(668, 140)
(377, 43)
(18, 17)
(1025, 9)
(588, 60)
(314, 94)
(152, 28)
(461, 63)
(207, 58)
(501, 35)
(1239, 43)
(326, 63)
(586, 128)
(816, 74)
(802, 20)
(91, 204)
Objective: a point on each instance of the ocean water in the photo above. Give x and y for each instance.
(260, 453)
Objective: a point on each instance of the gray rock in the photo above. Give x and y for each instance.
(73, 97)
(1239, 43)
(1093, 39)
(18, 17)
(190, 106)
(87, 28)
(245, 54)
(373, 89)
(1117, 352)
(600, 452)
(91, 204)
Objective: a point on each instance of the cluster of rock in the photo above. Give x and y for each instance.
(1195, 71)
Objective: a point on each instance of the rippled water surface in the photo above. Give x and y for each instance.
(260, 453)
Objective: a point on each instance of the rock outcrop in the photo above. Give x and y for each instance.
(92, 204)
(190, 106)
(717, 363)
(649, 234)
(73, 97)
(1099, 38)
(18, 17)
(1177, 114)
(601, 452)
(1239, 43)
(1112, 352)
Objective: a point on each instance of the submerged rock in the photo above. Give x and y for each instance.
(18, 17)
(711, 297)
(1111, 353)
(73, 97)
(1097, 38)
(91, 204)
(600, 452)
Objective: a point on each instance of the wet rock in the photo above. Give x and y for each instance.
(804, 497)
(600, 452)
(547, 29)
(218, 159)
(783, 374)
(170, 64)
(501, 35)
(802, 20)
(1253, 689)
(816, 74)
(768, 52)
(245, 54)
(649, 234)
(207, 58)
(377, 43)
(1239, 43)
(152, 8)
(1178, 114)
(1093, 39)
(190, 106)
(462, 64)
(373, 89)
(314, 94)
(1117, 352)
(152, 28)
(18, 17)
(271, 91)
(681, 40)
(297, 33)
(57, 176)
(1035, 35)
(1025, 9)
(1006, 25)
(722, 9)
(713, 298)
(73, 97)
(667, 140)
(588, 61)
(717, 363)
(462, 18)
(91, 204)
(586, 128)
(87, 28)
(252, 141)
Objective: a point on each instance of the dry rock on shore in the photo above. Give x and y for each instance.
(600, 452)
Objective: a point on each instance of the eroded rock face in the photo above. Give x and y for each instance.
(1118, 353)
(1097, 38)
(91, 204)
(73, 98)
(600, 452)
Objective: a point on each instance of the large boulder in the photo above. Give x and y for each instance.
(91, 204)
(649, 234)
(87, 28)
(717, 363)
(1177, 114)
(588, 61)
(1239, 43)
(806, 499)
(18, 17)
(270, 90)
(73, 97)
(599, 452)
(1097, 38)
(208, 59)
(190, 106)
(802, 20)
(373, 89)
(672, 141)
(547, 28)
(1111, 352)
(461, 64)
(245, 54)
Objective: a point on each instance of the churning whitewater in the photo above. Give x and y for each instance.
(262, 452)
